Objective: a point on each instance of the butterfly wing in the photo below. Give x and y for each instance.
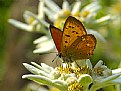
(57, 36)
(73, 29)
(83, 47)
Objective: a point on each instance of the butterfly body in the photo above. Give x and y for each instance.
(73, 43)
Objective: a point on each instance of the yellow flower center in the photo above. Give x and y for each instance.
(77, 71)
(99, 71)
(82, 70)
(75, 87)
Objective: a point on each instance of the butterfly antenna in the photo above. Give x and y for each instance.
(47, 53)
(55, 58)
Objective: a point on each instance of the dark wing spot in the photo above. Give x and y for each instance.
(67, 35)
(72, 27)
(65, 46)
(78, 36)
(66, 41)
(66, 28)
(69, 26)
(80, 53)
(73, 31)
(76, 32)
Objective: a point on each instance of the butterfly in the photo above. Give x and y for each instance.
(73, 43)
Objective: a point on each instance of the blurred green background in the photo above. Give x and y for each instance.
(16, 46)
(4, 15)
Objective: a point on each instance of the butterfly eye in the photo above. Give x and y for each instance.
(59, 55)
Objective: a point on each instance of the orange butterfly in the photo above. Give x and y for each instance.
(73, 43)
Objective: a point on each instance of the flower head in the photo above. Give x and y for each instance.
(70, 77)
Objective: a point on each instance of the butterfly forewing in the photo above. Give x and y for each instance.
(83, 47)
(57, 36)
(73, 29)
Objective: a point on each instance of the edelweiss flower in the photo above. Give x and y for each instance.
(86, 14)
(70, 77)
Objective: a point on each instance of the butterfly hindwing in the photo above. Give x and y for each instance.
(73, 29)
(57, 36)
(83, 47)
